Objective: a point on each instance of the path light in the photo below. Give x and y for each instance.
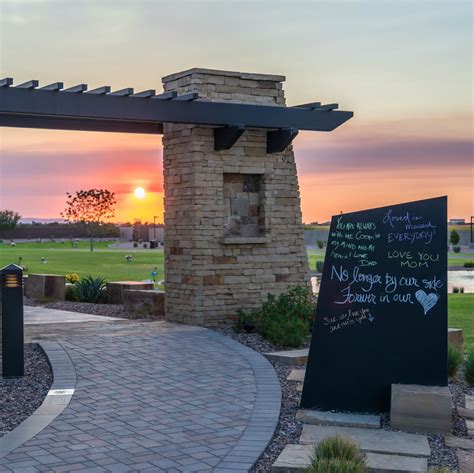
(11, 322)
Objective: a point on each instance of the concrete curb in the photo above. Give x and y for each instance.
(266, 413)
(58, 398)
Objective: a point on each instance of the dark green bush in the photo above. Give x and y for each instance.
(91, 289)
(469, 264)
(337, 455)
(319, 266)
(456, 248)
(469, 368)
(454, 360)
(458, 290)
(454, 237)
(71, 292)
(284, 320)
(320, 244)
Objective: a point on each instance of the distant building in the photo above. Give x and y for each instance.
(142, 233)
(457, 221)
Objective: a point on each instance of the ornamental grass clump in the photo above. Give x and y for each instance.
(454, 360)
(337, 455)
(469, 368)
(91, 289)
(284, 320)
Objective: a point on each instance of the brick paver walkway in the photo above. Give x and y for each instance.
(169, 400)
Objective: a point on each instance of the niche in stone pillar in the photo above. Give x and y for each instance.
(243, 209)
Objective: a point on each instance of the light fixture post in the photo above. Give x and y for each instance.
(11, 321)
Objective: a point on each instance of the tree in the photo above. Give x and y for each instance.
(8, 219)
(454, 237)
(90, 208)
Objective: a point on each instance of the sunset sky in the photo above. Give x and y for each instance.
(403, 67)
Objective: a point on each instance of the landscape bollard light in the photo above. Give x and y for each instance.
(11, 321)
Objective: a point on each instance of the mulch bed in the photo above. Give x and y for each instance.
(22, 396)
(288, 430)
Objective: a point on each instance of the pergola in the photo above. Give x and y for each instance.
(28, 105)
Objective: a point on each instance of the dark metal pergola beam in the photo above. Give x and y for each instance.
(226, 136)
(123, 111)
(278, 140)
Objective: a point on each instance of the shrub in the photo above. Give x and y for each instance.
(91, 289)
(454, 360)
(469, 264)
(337, 455)
(71, 293)
(319, 266)
(454, 237)
(458, 290)
(145, 245)
(284, 320)
(469, 368)
(456, 248)
(72, 278)
(320, 244)
(135, 244)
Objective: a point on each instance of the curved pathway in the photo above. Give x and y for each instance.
(156, 397)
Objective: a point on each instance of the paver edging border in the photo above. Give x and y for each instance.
(57, 399)
(265, 416)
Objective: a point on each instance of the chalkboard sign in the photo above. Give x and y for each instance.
(381, 316)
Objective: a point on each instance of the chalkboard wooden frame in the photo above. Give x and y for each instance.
(381, 316)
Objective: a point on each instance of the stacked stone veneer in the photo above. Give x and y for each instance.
(210, 271)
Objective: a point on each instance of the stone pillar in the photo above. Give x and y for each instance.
(233, 230)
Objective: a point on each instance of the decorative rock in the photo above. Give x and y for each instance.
(456, 339)
(144, 302)
(421, 408)
(115, 290)
(289, 357)
(297, 375)
(465, 461)
(378, 463)
(338, 418)
(370, 440)
(470, 427)
(467, 413)
(459, 442)
(294, 458)
(469, 402)
(50, 286)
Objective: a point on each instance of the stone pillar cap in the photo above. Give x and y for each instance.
(215, 72)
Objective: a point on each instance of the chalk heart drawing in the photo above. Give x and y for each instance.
(427, 301)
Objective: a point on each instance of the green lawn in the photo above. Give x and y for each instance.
(461, 315)
(103, 261)
(111, 263)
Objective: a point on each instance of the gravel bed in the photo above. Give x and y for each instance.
(107, 310)
(289, 430)
(21, 397)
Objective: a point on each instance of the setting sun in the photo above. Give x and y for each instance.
(140, 193)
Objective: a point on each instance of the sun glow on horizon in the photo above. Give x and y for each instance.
(140, 193)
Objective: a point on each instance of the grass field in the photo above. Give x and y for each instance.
(103, 261)
(461, 315)
(62, 258)
(111, 263)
